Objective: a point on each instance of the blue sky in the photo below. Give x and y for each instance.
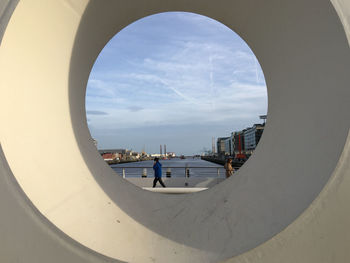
(173, 78)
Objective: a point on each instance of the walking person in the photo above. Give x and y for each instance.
(229, 168)
(157, 167)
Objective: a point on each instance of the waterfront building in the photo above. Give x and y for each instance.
(235, 142)
(232, 138)
(221, 145)
(228, 146)
(213, 146)
(122, 153)
(252, 137)
(135, 155)
(110, 156)
(156, 155)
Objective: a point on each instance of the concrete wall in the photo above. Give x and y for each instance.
(178, 182)
(289, 203)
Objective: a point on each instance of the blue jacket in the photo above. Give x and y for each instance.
(157, 167)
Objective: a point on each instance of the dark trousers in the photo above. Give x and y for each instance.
(160, 181)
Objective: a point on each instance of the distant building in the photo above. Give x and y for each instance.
(242, 142)
(122, 153)
(213, 146)
(235, 136)
(144, 154)
(136, 155)
(156, 155)
(221, 145)
(252, 137)
(110, 156)
(228, 146)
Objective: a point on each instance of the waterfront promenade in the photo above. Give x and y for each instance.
(196, 166)
(201, 174)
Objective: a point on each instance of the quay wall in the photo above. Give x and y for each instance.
(216, 160)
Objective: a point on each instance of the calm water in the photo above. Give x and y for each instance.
(197, 168)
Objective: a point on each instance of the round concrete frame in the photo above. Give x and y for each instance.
(61, 203)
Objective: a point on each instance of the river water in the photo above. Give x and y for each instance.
(196, 167)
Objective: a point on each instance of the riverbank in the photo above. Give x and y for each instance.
(235, 163)
(127, 161)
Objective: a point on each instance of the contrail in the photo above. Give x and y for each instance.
(211, 76)
(256, 70)
(178, 92)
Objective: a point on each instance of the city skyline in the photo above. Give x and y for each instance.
(173, 78)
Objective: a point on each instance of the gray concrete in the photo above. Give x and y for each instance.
(178, 182)
(175, 190)
(6, 9)
(287, 203)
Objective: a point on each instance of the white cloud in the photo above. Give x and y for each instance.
(187, 82)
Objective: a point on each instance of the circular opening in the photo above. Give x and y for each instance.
(237, 216)
(180, 87)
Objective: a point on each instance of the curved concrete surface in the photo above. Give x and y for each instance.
(61, 203)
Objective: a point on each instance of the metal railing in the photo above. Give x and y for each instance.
(170, 171)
